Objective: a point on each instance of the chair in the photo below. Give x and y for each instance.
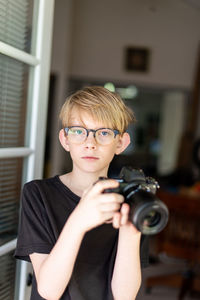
(180, 239)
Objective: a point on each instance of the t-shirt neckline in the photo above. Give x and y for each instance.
(66, 188)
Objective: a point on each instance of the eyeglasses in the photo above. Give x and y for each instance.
(78, 134)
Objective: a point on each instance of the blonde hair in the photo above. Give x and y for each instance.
(103, 105)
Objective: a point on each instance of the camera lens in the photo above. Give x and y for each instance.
(152, 219)
(148, 213)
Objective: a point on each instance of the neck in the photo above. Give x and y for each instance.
(78, 181)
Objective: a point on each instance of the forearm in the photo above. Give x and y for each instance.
(56, 270)
(126, 278)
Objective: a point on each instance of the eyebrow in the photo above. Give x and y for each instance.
(104, 127)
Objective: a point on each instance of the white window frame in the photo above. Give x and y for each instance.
(33, 152)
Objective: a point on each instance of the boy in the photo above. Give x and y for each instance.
(79, 239)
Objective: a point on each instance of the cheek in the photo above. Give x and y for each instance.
(109, 152)
(113, 148)
(74, 150)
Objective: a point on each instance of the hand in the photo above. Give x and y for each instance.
(120, 218)
(96, 207)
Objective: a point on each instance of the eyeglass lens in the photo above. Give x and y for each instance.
(79, 134)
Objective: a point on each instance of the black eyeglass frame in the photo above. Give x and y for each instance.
(115, 131)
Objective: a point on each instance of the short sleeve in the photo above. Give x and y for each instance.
(35, 234)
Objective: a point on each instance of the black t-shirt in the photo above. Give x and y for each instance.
(46, 206)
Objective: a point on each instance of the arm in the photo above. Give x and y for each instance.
(54, 271)
(126, 278)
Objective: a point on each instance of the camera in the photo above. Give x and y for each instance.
(148, 213)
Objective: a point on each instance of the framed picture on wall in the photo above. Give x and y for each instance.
(137, 59)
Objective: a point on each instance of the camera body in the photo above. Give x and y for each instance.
(148, 213)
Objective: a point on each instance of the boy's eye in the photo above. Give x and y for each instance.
(76, 131)
(79, 131)
(104, 133)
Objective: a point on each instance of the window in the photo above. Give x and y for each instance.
(25, 43)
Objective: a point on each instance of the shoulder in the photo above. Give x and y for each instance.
(48, 195)
(37, 190)
(40, 185)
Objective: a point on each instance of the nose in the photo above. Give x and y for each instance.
(90, 141)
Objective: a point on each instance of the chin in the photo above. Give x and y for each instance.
(95, 169)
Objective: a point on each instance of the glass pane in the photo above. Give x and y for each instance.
(7, 276)
(13, 94)
(15, 23)
(10, 187)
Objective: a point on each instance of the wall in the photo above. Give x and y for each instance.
(102, 30)
(90, 38)
(61, 53)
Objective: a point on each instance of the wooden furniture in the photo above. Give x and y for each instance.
(180, 239)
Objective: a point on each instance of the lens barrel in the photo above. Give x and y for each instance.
(148, 213)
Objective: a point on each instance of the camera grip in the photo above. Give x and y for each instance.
(114, 190)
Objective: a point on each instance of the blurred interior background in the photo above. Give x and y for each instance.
(148, 51)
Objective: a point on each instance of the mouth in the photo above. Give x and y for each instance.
(90, 158)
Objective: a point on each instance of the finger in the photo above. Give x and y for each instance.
(101, 185)
(112, 207)
(116, 220)
(107, 216)
(109, 221)
(124, 213)
(112, 197)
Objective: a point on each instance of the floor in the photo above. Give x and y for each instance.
(164, 266)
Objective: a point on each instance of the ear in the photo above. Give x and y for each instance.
(63, 140)
(123, 143)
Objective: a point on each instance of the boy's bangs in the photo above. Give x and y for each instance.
(103, 106)
(105, 117)
(101, 114)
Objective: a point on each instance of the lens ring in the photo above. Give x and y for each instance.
(142, 211)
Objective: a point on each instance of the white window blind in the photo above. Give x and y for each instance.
(10, 182)
(13, 81)
(14, 23)
(15, 32)
(7, 276)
